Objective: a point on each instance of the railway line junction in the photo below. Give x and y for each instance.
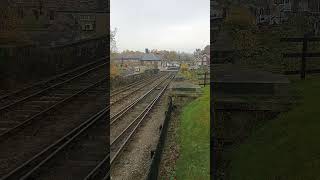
(60, 125)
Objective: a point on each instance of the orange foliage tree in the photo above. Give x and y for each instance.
(114, 71)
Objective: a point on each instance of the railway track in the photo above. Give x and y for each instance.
(16, 96)
(36, 141)
(58, 157)
(43, 130)
(118, 94)
(118, 101)
(17, 114)
(126, 123)
(82, 150)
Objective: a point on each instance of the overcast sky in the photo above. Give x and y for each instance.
(180, 25)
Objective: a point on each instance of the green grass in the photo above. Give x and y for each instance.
(286, 148)
(194, 139)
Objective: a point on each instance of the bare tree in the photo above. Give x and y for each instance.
(113, 42)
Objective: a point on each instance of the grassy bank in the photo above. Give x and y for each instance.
(194, 139)
(286, 148)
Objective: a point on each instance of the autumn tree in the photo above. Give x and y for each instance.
(114, 70)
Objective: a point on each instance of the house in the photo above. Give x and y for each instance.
(51, 22)
(145, 60)
(270, 11)
(278, 11)
(203, 61)
(150, 60)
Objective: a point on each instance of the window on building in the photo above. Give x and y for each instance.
(261, 11)
(87, 27)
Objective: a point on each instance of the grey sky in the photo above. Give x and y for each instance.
(181, 25)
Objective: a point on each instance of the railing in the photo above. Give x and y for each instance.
(302, 55)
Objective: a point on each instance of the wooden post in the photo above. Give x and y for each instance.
(303, 60)
(205, 78)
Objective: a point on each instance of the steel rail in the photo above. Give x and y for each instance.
(120, 90)
(107, 176)
(139, 88)
(66, 140)
(138, 120)
(49, 80)
(119, 114)
(100, 170)
(42, 157)
(24, 123)
(51, 87)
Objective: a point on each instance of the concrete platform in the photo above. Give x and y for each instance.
(232, 79)
(184, 88)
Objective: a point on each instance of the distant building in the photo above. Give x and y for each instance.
(278, 11)
(146, 60)
(150, 60)
(51, 22)
(203, 61)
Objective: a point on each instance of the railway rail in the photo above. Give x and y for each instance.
(10, 98)
(35, 136)
(119, 101)
(123, 92)
(27, 135)
(17, 114)
(130, 123)
(80, 150)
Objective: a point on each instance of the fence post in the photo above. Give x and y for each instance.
(303, 60)
(205, 78)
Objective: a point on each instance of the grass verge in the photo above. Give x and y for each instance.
(286, 148)
(194, 139)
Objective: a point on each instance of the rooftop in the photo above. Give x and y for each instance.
(150, 57)
(143, 57)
